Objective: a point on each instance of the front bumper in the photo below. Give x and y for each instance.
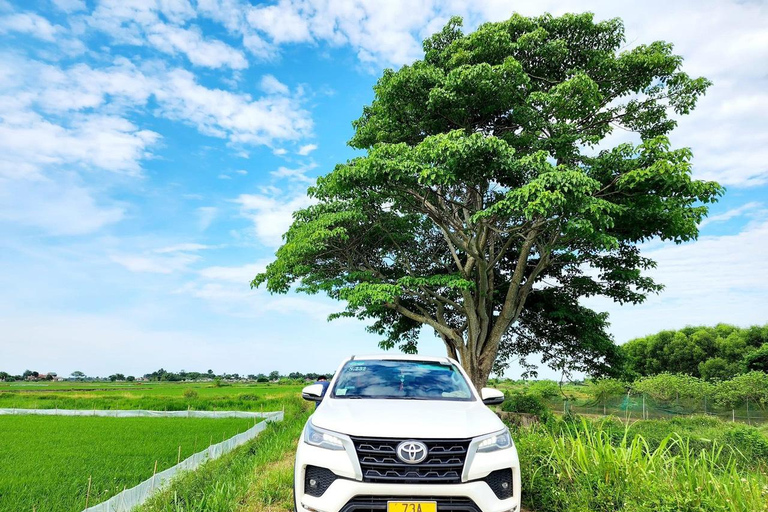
(348, 493)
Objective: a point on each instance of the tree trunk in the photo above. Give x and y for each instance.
(476, 367)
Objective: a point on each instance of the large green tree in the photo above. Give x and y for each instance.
(488, 201)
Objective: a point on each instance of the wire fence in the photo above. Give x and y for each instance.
(634, 407)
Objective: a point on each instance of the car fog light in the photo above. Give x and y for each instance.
(505, 485)
(312, 482)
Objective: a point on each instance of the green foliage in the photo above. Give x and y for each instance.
(528, 403)
(586, 467)
(668, 387)
(757, 360)
(479, 181)
(712, 353)
(602, 389)
(750, 387)
(191, 394)
(546, 389)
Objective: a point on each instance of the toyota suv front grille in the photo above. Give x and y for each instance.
(379, 503)
(379, 461)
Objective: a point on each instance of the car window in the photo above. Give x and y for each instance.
(417, 380)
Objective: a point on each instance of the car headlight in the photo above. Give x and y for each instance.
(496, 441)
(322, 438)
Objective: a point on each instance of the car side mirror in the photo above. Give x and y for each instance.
(491, 396)
(313, 393)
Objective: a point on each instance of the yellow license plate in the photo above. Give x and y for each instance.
(411, 506)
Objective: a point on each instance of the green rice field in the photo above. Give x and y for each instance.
(46, 461)
(156, 396)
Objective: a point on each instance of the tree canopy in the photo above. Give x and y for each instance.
(488, 200)
(712, 353)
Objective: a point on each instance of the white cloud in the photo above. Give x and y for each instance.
(70, 5)
(297, 175)
(122, 87)
(240, 275)
(232, 15)
(222, 113)
(282, 22)
(28, 143)
(139, 23)
(185, 247)
(715, 279)
(199, 51)
(29, 23)
(271, 216)
(166, 260)
(58, 208)
(272, 85)
(206, 216)
(305, 150)
(280, 151)
(745, 209)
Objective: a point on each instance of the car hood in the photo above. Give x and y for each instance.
(423, 419)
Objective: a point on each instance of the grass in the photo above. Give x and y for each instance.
(47, 460)
(257, 477)
(159, 396)
(582, 467)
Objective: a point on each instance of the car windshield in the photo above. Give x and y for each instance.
(414, 380)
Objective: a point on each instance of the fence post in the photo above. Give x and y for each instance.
(644, 407)
(748, 423)
(88, 494)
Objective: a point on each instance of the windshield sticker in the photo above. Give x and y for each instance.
(341, 391)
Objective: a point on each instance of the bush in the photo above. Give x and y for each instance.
(190, 394)
(546, 389)
(527, 403)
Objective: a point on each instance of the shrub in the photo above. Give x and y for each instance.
(190, 394)
(527, 403)
(546, 389)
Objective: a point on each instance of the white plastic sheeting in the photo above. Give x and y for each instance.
(135, 496)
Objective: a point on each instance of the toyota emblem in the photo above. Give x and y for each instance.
(412, 452)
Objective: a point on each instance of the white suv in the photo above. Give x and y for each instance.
(405, 434)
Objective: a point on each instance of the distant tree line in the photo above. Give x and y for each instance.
(163, 375)
(710, 353)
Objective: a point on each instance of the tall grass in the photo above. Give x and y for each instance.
(580, 469)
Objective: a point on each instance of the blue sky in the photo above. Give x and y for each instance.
(151, 153)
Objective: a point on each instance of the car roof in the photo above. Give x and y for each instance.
(400, 357)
